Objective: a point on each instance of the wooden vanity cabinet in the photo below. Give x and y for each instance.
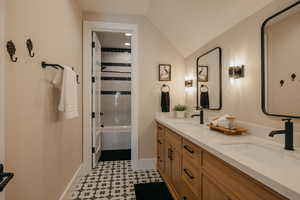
(191, 173)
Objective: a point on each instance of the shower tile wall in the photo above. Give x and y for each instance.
(116, 90)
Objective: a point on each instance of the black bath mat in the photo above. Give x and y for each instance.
(115, 155)
(152, 191)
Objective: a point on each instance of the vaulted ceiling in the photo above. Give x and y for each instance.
(188, 24)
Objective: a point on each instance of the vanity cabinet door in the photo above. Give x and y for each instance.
(160, 148)
(211, 191)
(161, 154)
(176, 168)
(168, 161)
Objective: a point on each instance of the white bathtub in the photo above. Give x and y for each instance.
(116, 137)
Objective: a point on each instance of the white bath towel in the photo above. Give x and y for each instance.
(68, 103)
(57, 81)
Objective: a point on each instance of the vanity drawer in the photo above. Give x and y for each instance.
(191, 175)
(186, 194)
(236, 182)
(173, 139)
(160, 131)
(191, 152)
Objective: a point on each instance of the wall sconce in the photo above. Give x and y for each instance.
(188, 83)
(237, 72)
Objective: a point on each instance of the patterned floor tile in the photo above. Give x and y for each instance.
(112, 180)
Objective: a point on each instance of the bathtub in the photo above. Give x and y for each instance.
(116, 137)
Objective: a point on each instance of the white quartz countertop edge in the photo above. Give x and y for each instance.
(285, 187)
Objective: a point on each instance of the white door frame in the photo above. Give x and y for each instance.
(2, 86)
(88, 28)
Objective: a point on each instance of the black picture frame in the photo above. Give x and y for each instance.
(206, 75)
(219, 49)
(167, 69)
(263, 63)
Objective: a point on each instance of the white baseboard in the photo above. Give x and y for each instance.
(73, 181)
(146, 164)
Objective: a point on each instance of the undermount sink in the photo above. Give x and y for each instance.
(264, 154)
(187, 122)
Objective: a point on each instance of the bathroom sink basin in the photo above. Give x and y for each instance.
(185, 122)
(271, 156)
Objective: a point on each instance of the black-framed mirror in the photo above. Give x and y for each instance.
(280, 69)
(209, 80)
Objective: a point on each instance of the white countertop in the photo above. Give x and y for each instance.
(277, 168)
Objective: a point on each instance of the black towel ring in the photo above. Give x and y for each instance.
(164, 86)
(204, 86)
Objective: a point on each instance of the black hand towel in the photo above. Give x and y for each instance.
(165, 102)
(204, 99)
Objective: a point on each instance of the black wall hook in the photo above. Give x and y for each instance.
(281, 83)
(30, 47)
(293, 76)
(11, 49)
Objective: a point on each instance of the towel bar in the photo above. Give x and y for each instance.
(4, 178)
(57, 66)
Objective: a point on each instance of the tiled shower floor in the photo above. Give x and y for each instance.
(112, 180)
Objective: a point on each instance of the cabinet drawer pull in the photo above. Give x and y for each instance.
(188, 173)
(188, 149)
(159, 142)
(184, 198)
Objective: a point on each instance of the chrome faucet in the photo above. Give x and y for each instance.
(201, 115)
(289, 140)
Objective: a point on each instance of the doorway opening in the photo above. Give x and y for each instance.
(112, 95)
(110, 85)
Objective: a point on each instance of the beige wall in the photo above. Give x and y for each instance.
(153, 49)
(42, 149)
(241, 45)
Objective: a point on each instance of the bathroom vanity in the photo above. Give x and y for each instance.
(198, 163)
